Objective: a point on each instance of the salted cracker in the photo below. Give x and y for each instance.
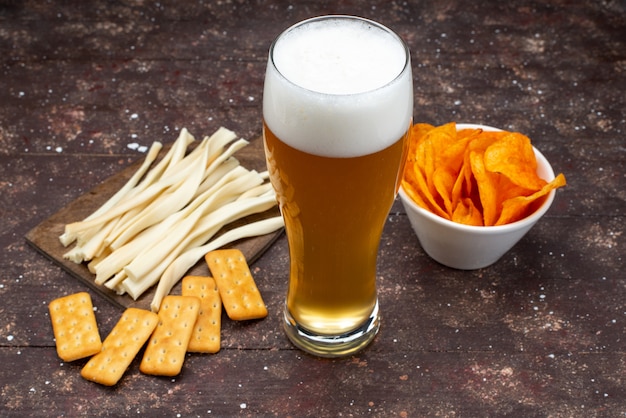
(74, 326)
(165, 352)
(240, 296)
(120, 347)
(205, 337)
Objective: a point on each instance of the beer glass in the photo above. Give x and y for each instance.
(337, 108)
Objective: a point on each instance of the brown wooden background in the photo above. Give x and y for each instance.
(539, 334)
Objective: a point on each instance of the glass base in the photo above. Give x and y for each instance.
(332, 345)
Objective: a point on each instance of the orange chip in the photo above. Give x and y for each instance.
(486, 188)
(516, 208)
(444, 180)
(513, 156)
(437, 141)
(472, 176)
(478, 144)
(417, 131)
(466, 213)
(418, 188)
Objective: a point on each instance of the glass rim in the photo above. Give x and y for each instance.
(380, 26)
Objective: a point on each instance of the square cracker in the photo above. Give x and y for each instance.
(240, 296)
(74, 326)
(120, 347)
(206, 334)
(165, 352)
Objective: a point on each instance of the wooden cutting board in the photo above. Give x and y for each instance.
(45, 236)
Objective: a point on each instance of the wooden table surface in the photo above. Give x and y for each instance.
(85, 84)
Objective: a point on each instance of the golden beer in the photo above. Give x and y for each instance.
(334, 211)
(337, 107)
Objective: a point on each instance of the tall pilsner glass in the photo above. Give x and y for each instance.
(337, 106)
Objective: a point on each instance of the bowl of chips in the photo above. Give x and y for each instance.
(471, 192)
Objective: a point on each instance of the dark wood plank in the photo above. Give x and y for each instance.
(539, 334)
(272, 383)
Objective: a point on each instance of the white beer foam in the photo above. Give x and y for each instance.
(335, 90)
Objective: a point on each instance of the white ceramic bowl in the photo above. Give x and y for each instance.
(468, 247)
